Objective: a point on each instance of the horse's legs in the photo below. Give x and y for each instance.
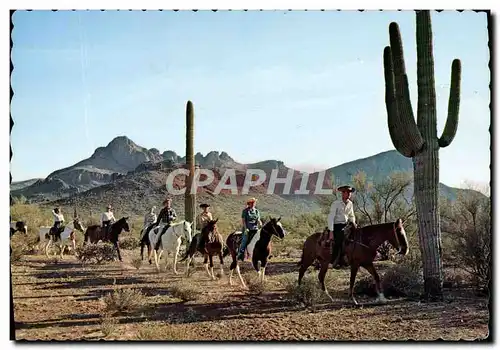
(74, 245)
(61, 249)
(304, 265)
(231, 268)
(221, 260)
(263, 265)
(354, 272)
(241, 277)
(211, 259)
(156, 260)
(321, 276)
(205, 262)
(150, 251)
(47, 247)
(176, 254)
(118, 251)
(380, 294)
(142, 250)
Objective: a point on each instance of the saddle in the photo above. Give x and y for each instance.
(56, 233)
(324, 240)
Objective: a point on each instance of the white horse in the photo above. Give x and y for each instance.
(170, 241)
(18, 226)
(67, 234)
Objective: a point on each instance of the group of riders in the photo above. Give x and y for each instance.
(341, 213)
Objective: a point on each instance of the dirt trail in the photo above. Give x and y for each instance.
(62, 301)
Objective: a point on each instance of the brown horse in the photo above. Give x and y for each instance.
(360, 247)
(95, 233)
(259, 248)
(214, 245)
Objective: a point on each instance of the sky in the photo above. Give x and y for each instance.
(306, 88)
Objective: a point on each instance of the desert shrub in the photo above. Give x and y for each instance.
(108, 325)
(32, 215)
(122, 300)
(403, 279)
(305, 224)
(129, 243)
(96, 253)
(136, 262)
(468, 221)
(165, 331)
(184, 292)
(309, 292)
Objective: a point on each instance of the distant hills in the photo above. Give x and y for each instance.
(133, 178)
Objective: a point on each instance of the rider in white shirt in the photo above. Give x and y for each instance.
(341, 212)
(58, 220)
(107, 218)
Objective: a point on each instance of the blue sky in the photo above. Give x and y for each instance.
(306, 88)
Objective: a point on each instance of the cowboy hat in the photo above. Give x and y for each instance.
(109, 206)
(346, 189)
(252, 200)
(204, 205)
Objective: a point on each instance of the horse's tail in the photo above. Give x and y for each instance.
(225, 251)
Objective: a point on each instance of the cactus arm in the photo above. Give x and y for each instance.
(391, 104)
(450, 129)
(402, 125)
(427, 116)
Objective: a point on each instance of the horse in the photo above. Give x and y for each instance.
(360, 247)
(214, 245)
(259, 248)
(16, 226)
(170, 241)
(67, 234)
(95, 233)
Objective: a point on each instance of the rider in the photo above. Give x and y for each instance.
(250, 220)
(167, 215)
(107, 218)
(341, 212)
(201, 221)
(149, 218)
(58, 221)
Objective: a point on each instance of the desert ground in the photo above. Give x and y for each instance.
(67, 300)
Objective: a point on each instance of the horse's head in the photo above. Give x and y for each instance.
(210, 226)
(123, 224)
(274, 227)
(78, 225)
(398, 239)
(187, 230)
(21, 226)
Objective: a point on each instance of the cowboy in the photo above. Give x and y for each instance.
(150, 218)
(250, 220)
(107, 218)
(167, 215)
(201, 221)
(341, 212)
(58, 221)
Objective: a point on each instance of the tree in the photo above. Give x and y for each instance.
(468, 221)
(382, 201)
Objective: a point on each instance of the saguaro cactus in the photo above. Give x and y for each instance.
(190, 198)
(419, 140)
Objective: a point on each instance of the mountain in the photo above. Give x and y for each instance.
(17, 185)
(133, 178)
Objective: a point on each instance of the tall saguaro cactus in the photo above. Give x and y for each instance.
(190, 198)
(418, 140)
